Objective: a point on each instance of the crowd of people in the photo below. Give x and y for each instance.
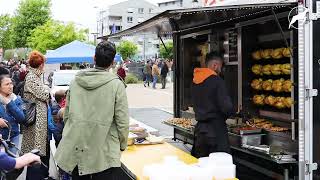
(153, 70)
(65, 117)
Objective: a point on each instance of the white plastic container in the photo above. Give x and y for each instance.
(220, 158)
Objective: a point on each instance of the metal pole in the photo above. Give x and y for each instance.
(163, 43)
(144, 46)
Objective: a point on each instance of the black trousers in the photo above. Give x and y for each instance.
(39, 172)
(163, 81)
(210, 138)
(109, 174)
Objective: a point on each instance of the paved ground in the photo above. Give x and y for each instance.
(152, 107)
(141, 97)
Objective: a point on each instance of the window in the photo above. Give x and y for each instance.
(150, 10)
(130, 19)
(140, 20)
(130, 10)
(140, 10)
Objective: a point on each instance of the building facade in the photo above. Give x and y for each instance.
(124, 15)
(180, 4)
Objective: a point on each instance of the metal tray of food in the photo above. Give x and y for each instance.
(177, 126)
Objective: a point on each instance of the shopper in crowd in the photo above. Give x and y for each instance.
(96, 121)
(212, 106)
(36, 135)
(23, 72)
(15, 73)
(121, 72)
(147, 71)
(3, 69)
(164, 73)
(155, 74)
(8, 163)
(57, 104)
(10, 111)
(82, 66)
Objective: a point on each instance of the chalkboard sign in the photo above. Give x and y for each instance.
(233, 45)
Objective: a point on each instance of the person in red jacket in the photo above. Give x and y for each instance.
(121, 72)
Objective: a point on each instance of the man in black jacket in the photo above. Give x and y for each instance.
(212, 106)
(164, 72)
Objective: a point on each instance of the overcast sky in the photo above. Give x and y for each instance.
(82, 12)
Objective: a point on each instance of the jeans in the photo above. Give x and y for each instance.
(154, 83)
(148, 79)
(16, 141)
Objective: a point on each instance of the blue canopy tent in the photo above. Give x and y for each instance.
(74, 52)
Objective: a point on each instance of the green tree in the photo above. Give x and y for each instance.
(127, 49)
(53, 35)
(8, 54)
(29, 15)
(6, 41)
(167, 53)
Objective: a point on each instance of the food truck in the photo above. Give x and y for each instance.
(272, 68)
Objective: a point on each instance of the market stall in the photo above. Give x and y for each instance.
(269, 73)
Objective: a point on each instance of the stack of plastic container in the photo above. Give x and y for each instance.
(218, 166)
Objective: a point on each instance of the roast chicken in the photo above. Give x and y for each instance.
(267, 85)
(266, 54)
(257, 84)
(256, 55)
(270, 100)
(266, 69)
(276, 69)
(280, 102)
(277, 85)
(288, 102)
(286, 52)
(258, 99)
(286, 68)
(277, 53)
(287, 86)
(257, 69)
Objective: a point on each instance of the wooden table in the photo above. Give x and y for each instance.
(138, 156)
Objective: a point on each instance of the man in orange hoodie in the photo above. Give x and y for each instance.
(212, 106)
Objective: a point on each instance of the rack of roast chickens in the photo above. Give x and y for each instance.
(272, 84)
(271, 125)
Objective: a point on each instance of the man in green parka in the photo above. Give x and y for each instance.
(96, 121)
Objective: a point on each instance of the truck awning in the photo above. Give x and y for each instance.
(189, 19)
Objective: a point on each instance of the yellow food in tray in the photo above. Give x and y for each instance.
(276, 69)
(264, 124)
(256, 55)
(266, 54)
(257, 84)
(277, 53)
(266, 69)
(257, 69)
(267, 85)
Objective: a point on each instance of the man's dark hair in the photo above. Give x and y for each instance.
(105, 52)
(213, 56)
